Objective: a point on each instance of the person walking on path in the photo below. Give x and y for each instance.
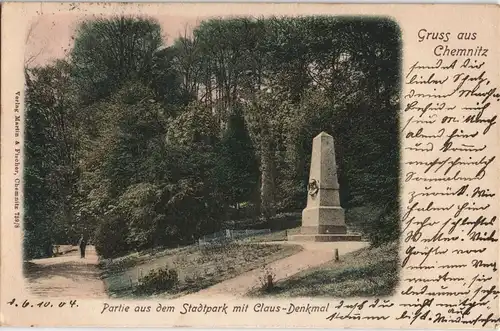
(82, 243)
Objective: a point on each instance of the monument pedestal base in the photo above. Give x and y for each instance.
(324, 237)
(323, 229)
(323, 219)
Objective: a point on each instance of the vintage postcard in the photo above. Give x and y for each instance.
(250, 165)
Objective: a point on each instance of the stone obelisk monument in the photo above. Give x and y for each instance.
(323, 218)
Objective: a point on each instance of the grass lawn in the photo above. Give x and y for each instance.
(364, 273)
(197, 266)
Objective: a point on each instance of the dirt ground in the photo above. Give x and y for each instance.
(66, 276)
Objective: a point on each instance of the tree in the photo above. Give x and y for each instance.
(265, 116)
(161, 142)
(237, 171)
(109, 52)
(51, 158)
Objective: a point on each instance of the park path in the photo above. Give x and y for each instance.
(66, 276)
(312, 255)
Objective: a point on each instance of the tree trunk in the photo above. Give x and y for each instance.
(256, 201)
(267, 189)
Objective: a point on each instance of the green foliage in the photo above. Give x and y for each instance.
(237, 169)
(110, 236)
(51, 152)
(110, 52)
(385, 226)
(158, 281)
(195, 124)
(150, 145)
(163, 192)
(137, 206)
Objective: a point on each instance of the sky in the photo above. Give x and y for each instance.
(50, 36)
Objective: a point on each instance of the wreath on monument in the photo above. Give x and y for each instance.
(313, 187)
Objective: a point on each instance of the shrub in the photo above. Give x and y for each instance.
(110, 237)
(384, 229)
(158, 280)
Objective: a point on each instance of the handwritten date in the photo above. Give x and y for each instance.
(42, 304)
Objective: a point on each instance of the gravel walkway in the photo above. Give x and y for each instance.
(66, 276)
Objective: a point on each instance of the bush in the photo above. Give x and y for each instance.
(384, 228)
(158, 280)
(110, 237)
